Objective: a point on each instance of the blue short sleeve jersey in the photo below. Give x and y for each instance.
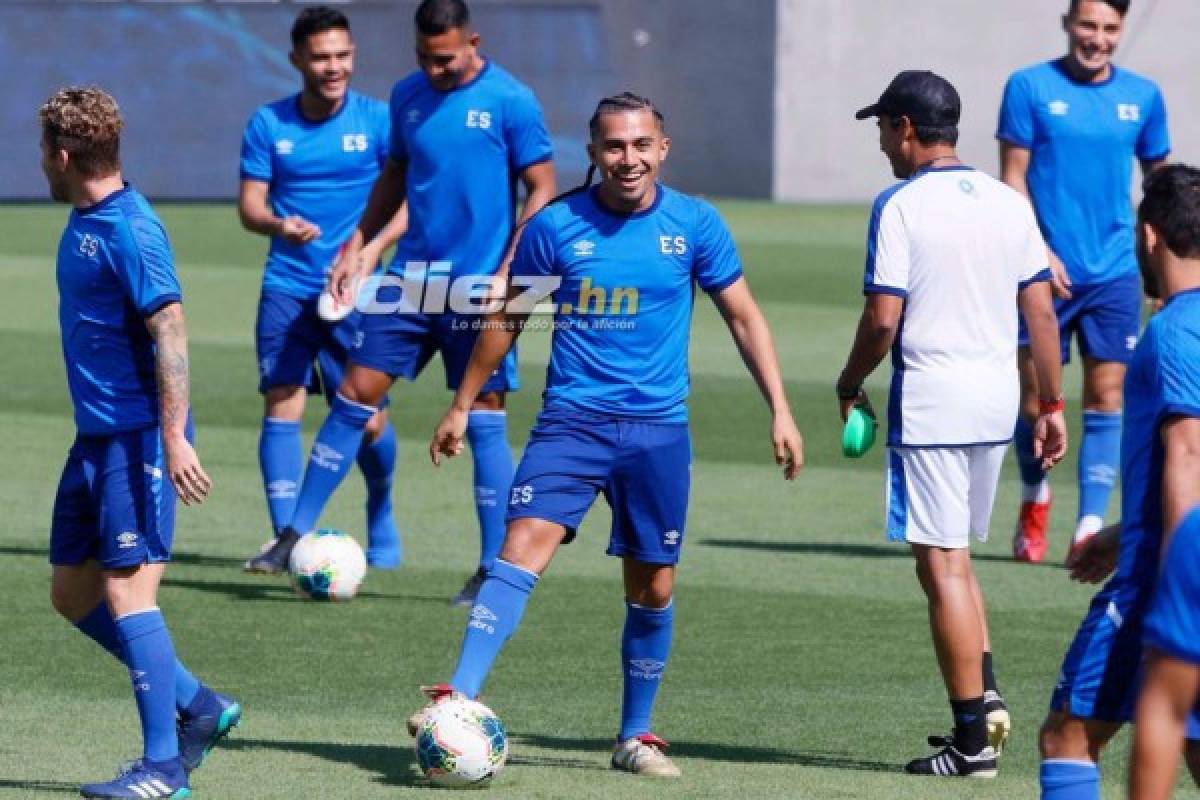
(623, 294)
(1163, 382)
(115, 268)
(321, 171)
(1173, 624)
(463, 150)
(1082, 139)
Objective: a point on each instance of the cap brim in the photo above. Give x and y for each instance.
(870, 111)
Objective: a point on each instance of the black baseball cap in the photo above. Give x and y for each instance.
(922, 96)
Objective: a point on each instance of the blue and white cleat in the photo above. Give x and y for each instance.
(200, 733)
(141, 780)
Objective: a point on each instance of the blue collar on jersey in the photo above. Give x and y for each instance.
(594, 193)
(108, 200)
(487, 65)
(1177, 295)
(309, 121)
(1066, 73)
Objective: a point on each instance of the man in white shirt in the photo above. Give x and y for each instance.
(951, 255)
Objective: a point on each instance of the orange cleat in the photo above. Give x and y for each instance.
(1029, 539)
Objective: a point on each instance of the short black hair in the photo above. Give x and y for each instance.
(317, 19)
(937, 134)
(1171, 205)
(1120, 6)
(620, 103)
(435, 17)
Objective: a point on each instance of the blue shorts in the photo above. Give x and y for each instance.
(400, 344)
(642, 468)
(1106, 317)
(290, 339)
(115, 503)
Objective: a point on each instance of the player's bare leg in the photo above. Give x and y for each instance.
(955, 621)
(645, 645)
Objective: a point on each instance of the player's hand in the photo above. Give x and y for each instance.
(343, 278)
(788, 444)
(191, 482)
(1050, 438)
(1096, 557)
(298, 230)
(448, 436)
(847, 404)
(1060, 281)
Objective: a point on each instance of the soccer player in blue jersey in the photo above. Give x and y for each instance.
(1069, 131)
(1160, 481)
(621, 261)
(464, 132)
(308, 163)
(125, 347)
(1172, 685)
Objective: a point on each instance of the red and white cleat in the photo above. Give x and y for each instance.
(1029, 539)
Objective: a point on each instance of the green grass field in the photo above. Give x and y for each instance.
(802, 665)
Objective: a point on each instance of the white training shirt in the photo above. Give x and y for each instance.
(957, 245)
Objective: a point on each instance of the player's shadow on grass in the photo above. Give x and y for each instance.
(393, 766)
(40, 786)
(188, 559)
(849, 550)
(713, 751)
(277, 590)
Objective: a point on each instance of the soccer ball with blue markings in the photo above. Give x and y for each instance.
(460, 744)
(327, 565)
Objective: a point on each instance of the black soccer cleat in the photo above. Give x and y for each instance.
(949, 762)
(274, 557)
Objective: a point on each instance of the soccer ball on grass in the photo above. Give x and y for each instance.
(327, 565)
(461, 743)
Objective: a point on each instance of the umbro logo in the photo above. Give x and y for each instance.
(1131, 342)
(127, 540)
(671, 538)
(584, 248)
(325, 456)
(482, 618)
(646, 668)
(1128, 112)
(281, 489)
(1058, 108)
(284, 147)
(413, 115)
(152, 471)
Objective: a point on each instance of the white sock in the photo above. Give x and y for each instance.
(1037, 493)
(1088, 525)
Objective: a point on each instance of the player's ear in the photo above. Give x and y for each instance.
(474, 39)
(1149, 236)
(664, 147)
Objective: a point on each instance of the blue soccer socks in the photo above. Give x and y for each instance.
(150, 656)
(494, 618)
(100, 628)
(1067, 779)
(645, 647)
(336, 446)
(377, 460)
(1034, 487)
(487, 432)
(1099, 463)
(281, 459)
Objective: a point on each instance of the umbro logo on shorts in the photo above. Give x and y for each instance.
(671, 538)
(127, 540)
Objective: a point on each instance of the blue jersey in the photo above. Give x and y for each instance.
(1082, 139)
(462, 151)
(624, 301)
(115, 268)
(1163, 381)
(321, 171)
(1173, 623)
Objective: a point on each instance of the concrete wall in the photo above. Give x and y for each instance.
(836, 56)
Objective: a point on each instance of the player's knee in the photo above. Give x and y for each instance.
(1063, 736)
(66, 602)
(284, 402)
(489, 401)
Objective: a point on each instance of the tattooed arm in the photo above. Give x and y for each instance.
(169, 332)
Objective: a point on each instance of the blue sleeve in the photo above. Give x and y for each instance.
(145, 266)
(396, 148)
(383, 131)
(536, 247)
(525, 132)
(1179, 371)
(1154, 142)
(256, 150)
(1173, 623)
(716, 264)
(1015, 125)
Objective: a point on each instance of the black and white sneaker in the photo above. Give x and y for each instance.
(470, 590)
(949, 762)
(275, 554)
(999, 723)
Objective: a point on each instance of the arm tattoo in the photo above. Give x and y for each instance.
(169, 332)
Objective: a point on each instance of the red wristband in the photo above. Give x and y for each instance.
(1050, 406)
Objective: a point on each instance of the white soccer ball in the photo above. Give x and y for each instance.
(327, 565)
(460, 744)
